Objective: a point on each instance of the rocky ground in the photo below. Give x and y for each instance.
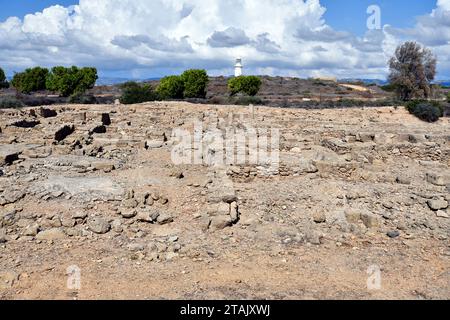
(96, 189)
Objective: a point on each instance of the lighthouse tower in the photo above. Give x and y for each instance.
(238, 67)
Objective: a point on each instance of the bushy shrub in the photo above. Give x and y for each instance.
(10, 103)
(195, 83)
(30, 80)
(425, 110)
(248, 85)
(82, 98)
(3, 82)
(448, 97)
(137, 93)
(247, 100)
(69, 81)
(171, 87)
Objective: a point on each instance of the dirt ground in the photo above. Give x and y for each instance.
(357, 208)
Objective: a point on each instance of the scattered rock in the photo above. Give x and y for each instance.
(319, 217)
(403, 180)
(31, 230)
(7, 279)
(2, 235)
(64, 131)
(436, 205)
(130, 203)
(47, 113)
(393, 234)
(313, 237)
(148, 216)
(370, 220)
(26, 123)
(136, 247)
(106, 119)
(103, 166)
(438, 179)
(128, 213)
(153, 144)
(234, 212)
(51, 234)
(164, 218)
(352, 216)
(442, 214)
(220, 222)
(99, 225)
(79, 215)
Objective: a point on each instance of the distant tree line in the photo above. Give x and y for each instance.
(191, 84)
(65, 81)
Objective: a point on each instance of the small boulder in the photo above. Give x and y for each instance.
(436, 205)
(220, 222)
(319, 217)
(51, 234)
(128, 213)
(99, 225)
(164, 218)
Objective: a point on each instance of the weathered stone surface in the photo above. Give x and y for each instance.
(438, 179)
(370, 220)
(31, 230)
(220, 222)
(82, 187)
(47, 113)
(154, 144)
(234, 212)
(164, 218)
(64, 131)
(2, 235)
(319, 217)
(8, 154)
(148, 216)
(99, 225)
(51, 234)
(128, 213)
(437, 204)
(7, 279)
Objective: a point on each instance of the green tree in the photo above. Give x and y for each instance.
(3, 82)
(73, 80)
(171, 87)
(136, 93)
(30, 80)
(195, 83)
(249, 85)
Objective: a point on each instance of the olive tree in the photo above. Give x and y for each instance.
(412, 69)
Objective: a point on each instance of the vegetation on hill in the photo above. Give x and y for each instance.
(248, 85)
(137, 93)
(30, 80)
(3, 82)
(69, 81)
(171, 87)
(195, 83)
(10, 103)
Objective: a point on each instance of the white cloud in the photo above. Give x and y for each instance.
(285, 37)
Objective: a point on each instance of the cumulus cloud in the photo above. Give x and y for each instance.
(231, 37)
(141, 37)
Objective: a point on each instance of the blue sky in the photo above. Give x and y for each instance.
(350, 16)
(20, 8)
(152, 38)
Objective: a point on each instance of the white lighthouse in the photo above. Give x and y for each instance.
(238, 67)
